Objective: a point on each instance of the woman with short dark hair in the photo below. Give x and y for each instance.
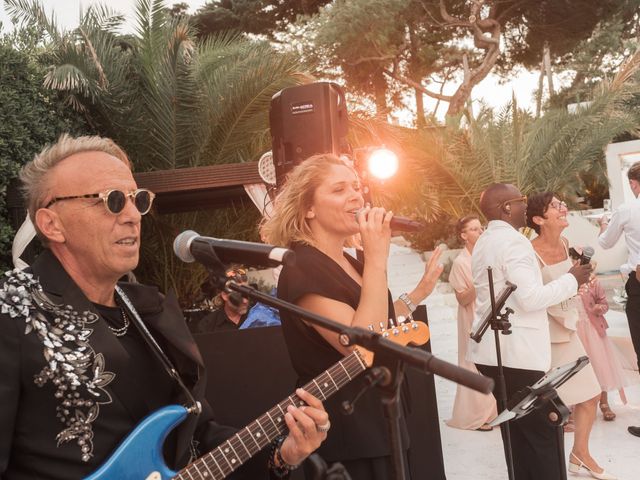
(547, 215)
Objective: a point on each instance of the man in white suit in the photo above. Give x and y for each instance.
(526, 353)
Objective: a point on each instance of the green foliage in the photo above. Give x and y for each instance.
(597, 58)
(363, 38)
(389, 50)
(30, 117)
(171, 102)
(552, 152)
(251, 16)
(564, 26)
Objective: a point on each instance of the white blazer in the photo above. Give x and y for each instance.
(512, 258)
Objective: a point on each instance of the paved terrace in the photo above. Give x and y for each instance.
(470, 455)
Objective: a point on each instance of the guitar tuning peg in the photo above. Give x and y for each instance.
(401, 319)
(383, 327)
(370, 328)
(391, 323)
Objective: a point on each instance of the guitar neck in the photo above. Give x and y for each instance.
(235, 451)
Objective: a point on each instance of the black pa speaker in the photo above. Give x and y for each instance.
(306, 120)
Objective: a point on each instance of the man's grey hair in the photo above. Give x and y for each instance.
(34, 175)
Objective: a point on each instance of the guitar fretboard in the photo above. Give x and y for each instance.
(224, 459)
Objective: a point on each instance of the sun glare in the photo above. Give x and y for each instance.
(382, 163)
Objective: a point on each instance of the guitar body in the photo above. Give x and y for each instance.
(139, 456)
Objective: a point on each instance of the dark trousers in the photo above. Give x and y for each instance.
(633, 311)
(534, 441)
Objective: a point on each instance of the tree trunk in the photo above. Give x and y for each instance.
(421, 121)
(414, 46)
(540, 88)
(380, 93)
(547, 68)
(459, 99)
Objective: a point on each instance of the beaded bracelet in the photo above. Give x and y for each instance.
(275, 453)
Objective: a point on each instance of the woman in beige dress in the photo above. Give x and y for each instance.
(547, 215)
(471, 410)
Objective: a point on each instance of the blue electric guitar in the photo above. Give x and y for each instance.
(139, 456)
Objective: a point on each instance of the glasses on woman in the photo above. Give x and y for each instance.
(115, 200)
(558, 205)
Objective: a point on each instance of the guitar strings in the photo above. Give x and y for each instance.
(340, 378)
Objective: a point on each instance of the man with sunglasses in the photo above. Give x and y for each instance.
(526, 352)
(83, 357)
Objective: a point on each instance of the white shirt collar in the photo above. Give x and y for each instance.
(499, 224)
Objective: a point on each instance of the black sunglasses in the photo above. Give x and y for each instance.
(115, 200)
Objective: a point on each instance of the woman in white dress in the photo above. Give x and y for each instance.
(471, 410)
(547, 215)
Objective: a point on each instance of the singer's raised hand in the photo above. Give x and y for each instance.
(375, 233)
(427, 283)
(432, 272)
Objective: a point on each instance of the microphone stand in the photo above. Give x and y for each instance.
(392, 356)
(499, 323)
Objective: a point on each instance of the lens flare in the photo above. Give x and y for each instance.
(382, 163)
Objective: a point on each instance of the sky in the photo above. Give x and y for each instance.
(67, 11)
(490, 91)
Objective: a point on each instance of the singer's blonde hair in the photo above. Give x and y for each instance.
(289, 224)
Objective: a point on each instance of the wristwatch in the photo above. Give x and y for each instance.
(407, 301)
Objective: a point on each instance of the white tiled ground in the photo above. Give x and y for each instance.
(471, 455)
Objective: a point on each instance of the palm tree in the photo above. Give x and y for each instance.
(546, 153)
(170, 102)
(448, 167)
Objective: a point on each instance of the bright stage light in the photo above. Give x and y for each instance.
(382, 163)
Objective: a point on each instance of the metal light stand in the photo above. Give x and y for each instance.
(499, 324)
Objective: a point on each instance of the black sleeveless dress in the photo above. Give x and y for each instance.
(359, 441)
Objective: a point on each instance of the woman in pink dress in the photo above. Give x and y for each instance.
(592, 330)
(471, 410)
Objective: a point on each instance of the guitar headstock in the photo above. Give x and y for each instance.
(401, 332)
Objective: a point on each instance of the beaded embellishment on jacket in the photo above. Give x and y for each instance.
(72, 366)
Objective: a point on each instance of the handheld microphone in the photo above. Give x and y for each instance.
(402, 224)
(587, 253)
(189, 246)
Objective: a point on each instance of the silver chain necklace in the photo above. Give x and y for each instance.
(122, 331)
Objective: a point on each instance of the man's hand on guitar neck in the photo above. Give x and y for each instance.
(308, 426)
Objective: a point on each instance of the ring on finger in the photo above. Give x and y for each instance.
(324, 428)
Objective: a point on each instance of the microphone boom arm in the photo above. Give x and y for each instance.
(372, 341)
